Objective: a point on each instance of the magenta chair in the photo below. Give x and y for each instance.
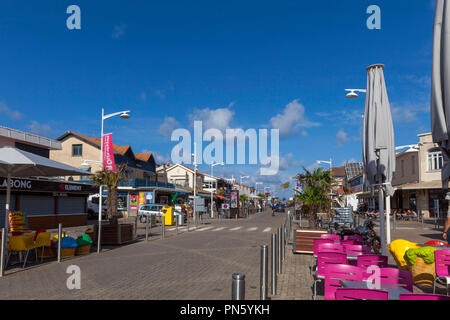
(324, 259)
(422, 296)
(316, 243)
(357, 239)
(366, 260)
(360, 294)
(393, 275)
(329, 247)
(442, 262)
(357, 248)
(347, 243)
(336, 272)
(334, 237)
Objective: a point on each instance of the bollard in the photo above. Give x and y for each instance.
(238, 286)
(263, 272)
(283, 242)
(280, 250)
(59, 241)
(273, 266)
(176, 223)
(163, 227)
(2, 253)
(146, 228)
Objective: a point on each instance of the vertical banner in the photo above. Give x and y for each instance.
(141, 198)
(149, 198)
(108, 153)
(134, 198)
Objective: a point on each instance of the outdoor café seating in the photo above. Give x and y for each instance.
(360, 294)
(335, 273)
(442, 263)
(423, 296)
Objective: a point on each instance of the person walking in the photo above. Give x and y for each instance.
(445, 235)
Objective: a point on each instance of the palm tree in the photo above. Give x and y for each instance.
(316, 187)
(111, 180)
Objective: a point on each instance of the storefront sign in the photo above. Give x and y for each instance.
(134, 198)
(108, 153)
(225, 206)
(149, 198)
(234, 196)
(47, 185)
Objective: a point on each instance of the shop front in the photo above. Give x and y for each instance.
(47, 203)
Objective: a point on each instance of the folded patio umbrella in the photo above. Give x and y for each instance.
(378, 140)
(440, 85)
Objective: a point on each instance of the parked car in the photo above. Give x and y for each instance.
(92, 207)
(146, 210)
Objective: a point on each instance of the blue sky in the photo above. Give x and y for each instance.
(233, 64)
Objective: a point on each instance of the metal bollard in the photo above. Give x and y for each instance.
(2, 253)
(264, 272)
(238, 287)
(176, 223)
(146, 228)
(280, 250)
(283, 242)
(273, 267)
(163, 227)
(59, 241)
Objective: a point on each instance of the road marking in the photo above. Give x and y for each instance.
(171, 229)
(267, 229)
(219, 229)
(237, 228)
(252, 229)
(204, 229)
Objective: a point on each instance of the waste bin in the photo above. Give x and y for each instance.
(180, 218)
(167, 213)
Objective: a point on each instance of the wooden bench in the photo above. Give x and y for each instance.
(304, 240)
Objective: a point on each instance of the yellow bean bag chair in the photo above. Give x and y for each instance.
(398, 249)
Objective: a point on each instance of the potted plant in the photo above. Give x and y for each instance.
(113, 233)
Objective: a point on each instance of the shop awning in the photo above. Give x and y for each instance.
(435, 184)
(220, 197)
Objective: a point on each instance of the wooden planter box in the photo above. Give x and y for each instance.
(115, 234)
(304, 240)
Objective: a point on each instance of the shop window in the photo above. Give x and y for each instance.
(77, 150)
(435, 160)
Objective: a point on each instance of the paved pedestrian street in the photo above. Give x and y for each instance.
(189, 265)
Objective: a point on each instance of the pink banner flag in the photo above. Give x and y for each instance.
(108, 153)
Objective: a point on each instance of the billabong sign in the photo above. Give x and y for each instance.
(17, 184)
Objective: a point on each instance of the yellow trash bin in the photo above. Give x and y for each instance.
(167, 213)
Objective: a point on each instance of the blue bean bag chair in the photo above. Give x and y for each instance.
(67, 242)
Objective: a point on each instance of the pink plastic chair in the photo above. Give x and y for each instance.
(361, 294)
(357, 239)
(329, 247)
(357, 249)
(396, 276)
(325, 259)
(422, 296)
(336, 272)
(334, 237)
(442, 262)
(366, 260)
(347, 243)
(316, 243)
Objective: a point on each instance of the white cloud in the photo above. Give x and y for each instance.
(341, 138)
(160, 159)
(167, 126)
(7, 111)
(291, 119)
(288, 162)
(407, 113)
(159, 93)
(213, 118)
(119, 31)
(40, 128)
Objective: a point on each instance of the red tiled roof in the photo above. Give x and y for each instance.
(143, 156)
(96, 141)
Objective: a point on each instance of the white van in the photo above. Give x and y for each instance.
(92, 207)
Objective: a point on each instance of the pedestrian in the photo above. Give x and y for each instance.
(445, 235)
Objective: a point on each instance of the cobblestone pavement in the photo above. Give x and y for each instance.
(296, 282)
(189, 265)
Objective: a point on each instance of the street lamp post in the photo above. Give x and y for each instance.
(212, 166)
(123, 115)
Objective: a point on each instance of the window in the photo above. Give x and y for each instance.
(435, 160)
(77, 150)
